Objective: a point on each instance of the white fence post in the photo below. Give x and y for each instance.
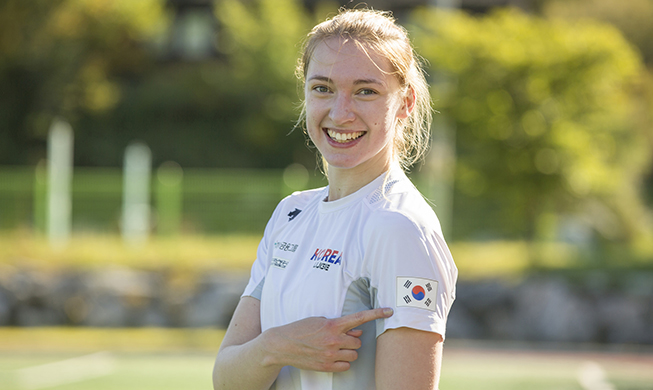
(136, 194)
(60, 170)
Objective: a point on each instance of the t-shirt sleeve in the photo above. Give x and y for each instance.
(412, 271)
(254, 287)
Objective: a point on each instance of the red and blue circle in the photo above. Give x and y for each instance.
(418, 293)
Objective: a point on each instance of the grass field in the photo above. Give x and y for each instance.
(143, 359)
(492, 367)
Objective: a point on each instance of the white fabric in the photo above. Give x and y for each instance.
(313, 252)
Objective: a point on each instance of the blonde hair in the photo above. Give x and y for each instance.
(378, 31)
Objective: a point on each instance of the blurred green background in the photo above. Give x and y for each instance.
(540, 168)
(543, 131)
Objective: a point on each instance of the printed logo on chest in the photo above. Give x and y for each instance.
(286, 246)
(324, 259)
(281, 260)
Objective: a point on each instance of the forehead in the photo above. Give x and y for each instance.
(338, 57)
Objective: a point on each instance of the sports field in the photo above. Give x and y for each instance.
(143, 359)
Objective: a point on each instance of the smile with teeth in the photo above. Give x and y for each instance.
(344, 137)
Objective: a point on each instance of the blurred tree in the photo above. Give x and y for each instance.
(60, 58)
(262, 39)
(236, 110)
(543, 111)
(633, 17)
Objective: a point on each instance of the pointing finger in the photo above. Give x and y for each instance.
(351, 321)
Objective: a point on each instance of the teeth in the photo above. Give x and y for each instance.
(344, 137)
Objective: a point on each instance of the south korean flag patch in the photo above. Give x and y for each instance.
(416, 292)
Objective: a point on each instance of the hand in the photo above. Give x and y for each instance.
(320, 344)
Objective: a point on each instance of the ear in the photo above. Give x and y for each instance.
(408, 104)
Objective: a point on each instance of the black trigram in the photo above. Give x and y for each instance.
(408, 284)
(428, 301)
(428, 287)
(407, 299)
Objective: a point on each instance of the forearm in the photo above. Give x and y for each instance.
(245, 366)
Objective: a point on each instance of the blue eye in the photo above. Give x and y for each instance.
(367, 91)
(320, 89)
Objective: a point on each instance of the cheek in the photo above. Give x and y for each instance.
(312, 119)
(312, 108)
(312, 123)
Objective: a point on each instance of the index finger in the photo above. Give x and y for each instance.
(351, 321)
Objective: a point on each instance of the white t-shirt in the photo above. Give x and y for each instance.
(381, 246)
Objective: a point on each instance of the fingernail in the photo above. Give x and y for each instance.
(388, 312)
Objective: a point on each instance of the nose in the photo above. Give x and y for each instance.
(342, 109)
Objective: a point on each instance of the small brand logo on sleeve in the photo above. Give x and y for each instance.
(416, 292)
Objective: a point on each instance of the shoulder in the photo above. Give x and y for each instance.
(305, 196)
(293, 204)
(303, 199)
(401, 210)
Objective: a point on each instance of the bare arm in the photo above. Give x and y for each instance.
(251, 359)
(241, 359)
(408, 356)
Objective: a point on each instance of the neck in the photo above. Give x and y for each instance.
(344, 182)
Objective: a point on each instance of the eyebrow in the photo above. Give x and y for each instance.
(356, 82)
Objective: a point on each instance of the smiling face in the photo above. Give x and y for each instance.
(353, 103)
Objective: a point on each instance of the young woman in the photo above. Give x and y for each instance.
(353, 282)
